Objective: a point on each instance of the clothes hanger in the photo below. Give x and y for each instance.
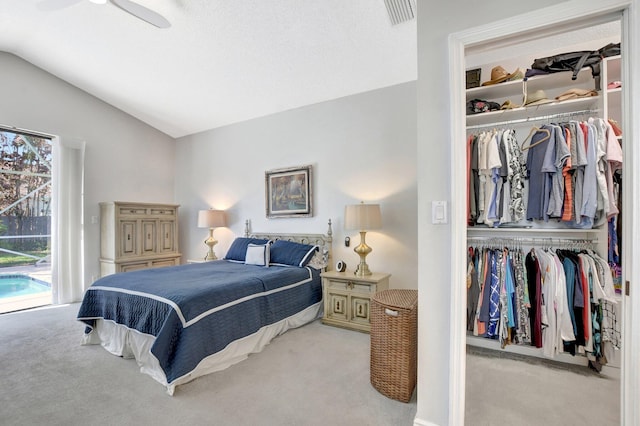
(533, 131)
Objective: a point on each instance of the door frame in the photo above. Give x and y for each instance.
(566, 15)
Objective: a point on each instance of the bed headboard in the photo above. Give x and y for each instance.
(323, 241)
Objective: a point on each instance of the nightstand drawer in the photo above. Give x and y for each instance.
(351, 286)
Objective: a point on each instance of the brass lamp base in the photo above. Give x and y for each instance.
(210, 242)
(362, 250)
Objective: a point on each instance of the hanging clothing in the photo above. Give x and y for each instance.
(535, 294)
(496, 178)
(557, 300)
(539, 182)
(569, 168)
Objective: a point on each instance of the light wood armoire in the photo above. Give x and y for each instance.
(137, 236)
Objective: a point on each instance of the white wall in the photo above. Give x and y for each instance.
(125, 159)
(436, 21)
(362, 147)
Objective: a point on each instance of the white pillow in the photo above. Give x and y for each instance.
(319, 260)
(257, 255)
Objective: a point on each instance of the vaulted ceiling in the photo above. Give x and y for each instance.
(220, 61)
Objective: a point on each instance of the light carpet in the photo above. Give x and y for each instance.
(313, 375)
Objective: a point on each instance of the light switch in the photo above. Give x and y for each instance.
(438, 212)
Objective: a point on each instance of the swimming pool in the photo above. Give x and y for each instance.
(13, 285)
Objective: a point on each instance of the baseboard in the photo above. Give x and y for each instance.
(420, 422)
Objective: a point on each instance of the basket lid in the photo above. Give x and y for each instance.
(399, 299)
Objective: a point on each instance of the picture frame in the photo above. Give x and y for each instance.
(288, 192)
(473, 78)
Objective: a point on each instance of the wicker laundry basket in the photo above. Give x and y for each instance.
(394, 336)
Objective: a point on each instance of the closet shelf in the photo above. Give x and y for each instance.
(539, 82)
(534, 113)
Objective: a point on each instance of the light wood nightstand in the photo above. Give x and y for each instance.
(347, 298)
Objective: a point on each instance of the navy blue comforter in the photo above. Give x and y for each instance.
(196, 310)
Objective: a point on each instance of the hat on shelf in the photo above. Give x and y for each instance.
(508, 105)
(499, 74)
(576, 93)
(537, 98)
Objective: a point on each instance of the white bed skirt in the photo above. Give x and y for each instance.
(129, 343)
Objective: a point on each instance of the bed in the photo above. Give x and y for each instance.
(182, 322)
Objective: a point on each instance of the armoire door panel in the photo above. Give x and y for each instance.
(167, 230)
(128, 238)
(149, 237)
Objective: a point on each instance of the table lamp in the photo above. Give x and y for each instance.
(362, 217)
(211, 219)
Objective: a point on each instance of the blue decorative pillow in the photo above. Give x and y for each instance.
(291, 253)
(238, 250)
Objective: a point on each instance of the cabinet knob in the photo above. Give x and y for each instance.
(128, 237)
(148, 236)
(350, 284)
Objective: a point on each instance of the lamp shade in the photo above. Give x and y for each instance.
(211, 218)
(362, 216)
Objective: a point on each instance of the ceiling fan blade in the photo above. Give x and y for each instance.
(143, 13)
(50, 5)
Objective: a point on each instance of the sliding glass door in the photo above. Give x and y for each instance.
(25, 221)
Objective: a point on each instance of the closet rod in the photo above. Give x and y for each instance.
(537, 118)
(534, 241)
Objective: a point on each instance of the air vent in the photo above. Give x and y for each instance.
(400, 10)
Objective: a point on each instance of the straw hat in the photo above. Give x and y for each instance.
(499, 74)
(537, 98)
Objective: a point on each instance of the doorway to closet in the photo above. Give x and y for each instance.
(518, 52)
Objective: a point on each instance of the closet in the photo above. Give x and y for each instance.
(542, 185)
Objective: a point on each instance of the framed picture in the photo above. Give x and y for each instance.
(473, 78)
(288, 192)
